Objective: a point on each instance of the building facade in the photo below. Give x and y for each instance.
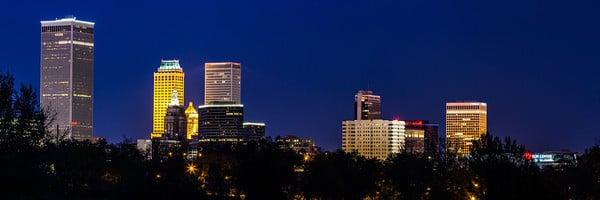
(192, 121)
(175, 121)
(222, 82)
(466, 122)
(373, 138)
(421, 138)
(559, 160)
(305, 146)
(167, 78)
(67, 76)
(254, 131)
(367, 105)
(221, 122)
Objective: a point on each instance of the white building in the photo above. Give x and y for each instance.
(373, 138)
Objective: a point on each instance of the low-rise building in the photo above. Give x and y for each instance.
(373, 138)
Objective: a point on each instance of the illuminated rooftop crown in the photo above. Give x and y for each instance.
(169, 65)
(174, 99)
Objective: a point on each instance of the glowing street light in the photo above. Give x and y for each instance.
(191, 168)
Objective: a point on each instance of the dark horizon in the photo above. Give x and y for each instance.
(534, 63)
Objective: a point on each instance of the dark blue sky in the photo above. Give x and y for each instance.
(536, 63)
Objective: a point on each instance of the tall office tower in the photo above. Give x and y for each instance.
(67, 75)
(221, 122)
(373, 138)
(421, 138)
(192, 121)
(367, 105)
(222, 82)
(253, 131)
(466, 122)
(167, 78)
(175, 121)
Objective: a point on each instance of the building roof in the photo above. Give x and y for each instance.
(66, 20)
(169, 65)
(191, 109)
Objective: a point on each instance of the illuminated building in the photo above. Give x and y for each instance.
(222, 82)
(175, 121)
(67, 75)
(367, 105)
(253, 131)
(221, 122)
(173, 142)
(466, 122)
(373, 138)
(421, 138)
(167, 78)
(558, 160)
(145, 147)
(192, 121)
(300, 145)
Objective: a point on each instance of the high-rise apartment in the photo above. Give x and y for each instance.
(373, 138)
(67, 75)
(466, 122)
(367, 105)
(167, 78)
(222, 82)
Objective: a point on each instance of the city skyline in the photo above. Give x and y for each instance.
(513, 82)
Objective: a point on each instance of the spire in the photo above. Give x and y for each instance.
(190, 109)
(174, 100)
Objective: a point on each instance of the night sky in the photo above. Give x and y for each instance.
(536, 63)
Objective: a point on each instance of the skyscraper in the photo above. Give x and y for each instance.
(367, 105)
(221, 122)
(167, 78)
(222, 82)
(67, 75)
(192, 121)
(466, 122)
(373, 138)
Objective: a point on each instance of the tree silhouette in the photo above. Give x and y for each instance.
(340, 175)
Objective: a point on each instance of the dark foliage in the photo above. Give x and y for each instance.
(340, 175)
(36, 165)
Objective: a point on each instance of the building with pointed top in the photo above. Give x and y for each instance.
(192, 121)
(175, 120)
(167, 78)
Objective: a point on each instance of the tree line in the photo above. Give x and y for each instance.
(37, 165)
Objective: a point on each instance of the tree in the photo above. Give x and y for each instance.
(501, 172)
(21, 131)
(340, 175)
(407, 176)
(585, 177)
(264, 171)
